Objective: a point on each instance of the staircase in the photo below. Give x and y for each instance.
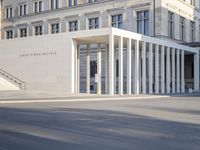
(11, 79)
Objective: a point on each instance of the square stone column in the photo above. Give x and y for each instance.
(111, 65)
(150, 68)
(129, 66)
(88, 69)
(196, 72)
(137, 67)
(121, 65)
(144, 76)
(163, 69)
(157, 69)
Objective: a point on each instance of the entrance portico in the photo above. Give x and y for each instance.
(131, 63)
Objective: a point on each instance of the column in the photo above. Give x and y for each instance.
(196, 71)
(133, 69)
(150, 68)
(88, 69)
(106, 67)
(121, 65)
(163, 70)
(157, 69)
(99, 68)
(173, 71)
(178, 71)
(137, 60)
(182, 71)
(144, 68)
(111, 64)
(168, 72)
(129, 66)
(78, 70)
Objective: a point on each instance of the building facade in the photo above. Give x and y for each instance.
(175, 21)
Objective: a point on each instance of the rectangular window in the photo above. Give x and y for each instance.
(55, 28)
(40, 6)
(94, 23)
(143, 22)
(23, 32)
(73, 26)
(38, 30)
(72, 3)
(9, 13)
(91, 1)
(54, 4)
(170, 24)
(37, 6)
(117, 21)
(182, 29)
(192, 31)
(9, 34)
(192, 2)
(22, 10)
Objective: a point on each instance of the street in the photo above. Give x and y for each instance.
(169, 123)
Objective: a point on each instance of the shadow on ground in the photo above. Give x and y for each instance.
(88, 129)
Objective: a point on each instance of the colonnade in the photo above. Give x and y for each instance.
(150, 67)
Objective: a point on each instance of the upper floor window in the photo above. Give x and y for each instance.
(143, 22)
(22, 10)
(94, 23)
(55, 28)
(73, 26)
(91, 1)
(192, 31)
(9, 34)
(37, 6)
(182, 29)
(72, 3)
(54, 4)
(117, 21)
(192, 2)
(171, 24)
(23, 32)
(38, 30)
(9, 12)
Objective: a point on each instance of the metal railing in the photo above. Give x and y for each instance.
(14, 80)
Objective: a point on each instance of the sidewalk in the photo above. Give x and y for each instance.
(46, 96)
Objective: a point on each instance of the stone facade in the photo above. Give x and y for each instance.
(103, 9)
(157, 26)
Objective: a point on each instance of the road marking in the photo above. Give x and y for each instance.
(80, 100)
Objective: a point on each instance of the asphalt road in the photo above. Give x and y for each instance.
(143, 124)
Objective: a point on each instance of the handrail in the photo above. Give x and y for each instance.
(21, 84)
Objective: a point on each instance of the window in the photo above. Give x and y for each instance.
(73, 26)
(192, 31)
(192, 2)
(23, 32)
(182, 29)
(9, 34)
(9, 13)
(37, 6)
(55, 28)
(38, 30)
(117, 21)
(91, 1)
(54, 4)
(170, 24)
(143, 22)
(22, 10)
(93, 68)
(72, 3)
(94, 23)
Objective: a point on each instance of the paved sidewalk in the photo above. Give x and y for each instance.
(43, 96)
